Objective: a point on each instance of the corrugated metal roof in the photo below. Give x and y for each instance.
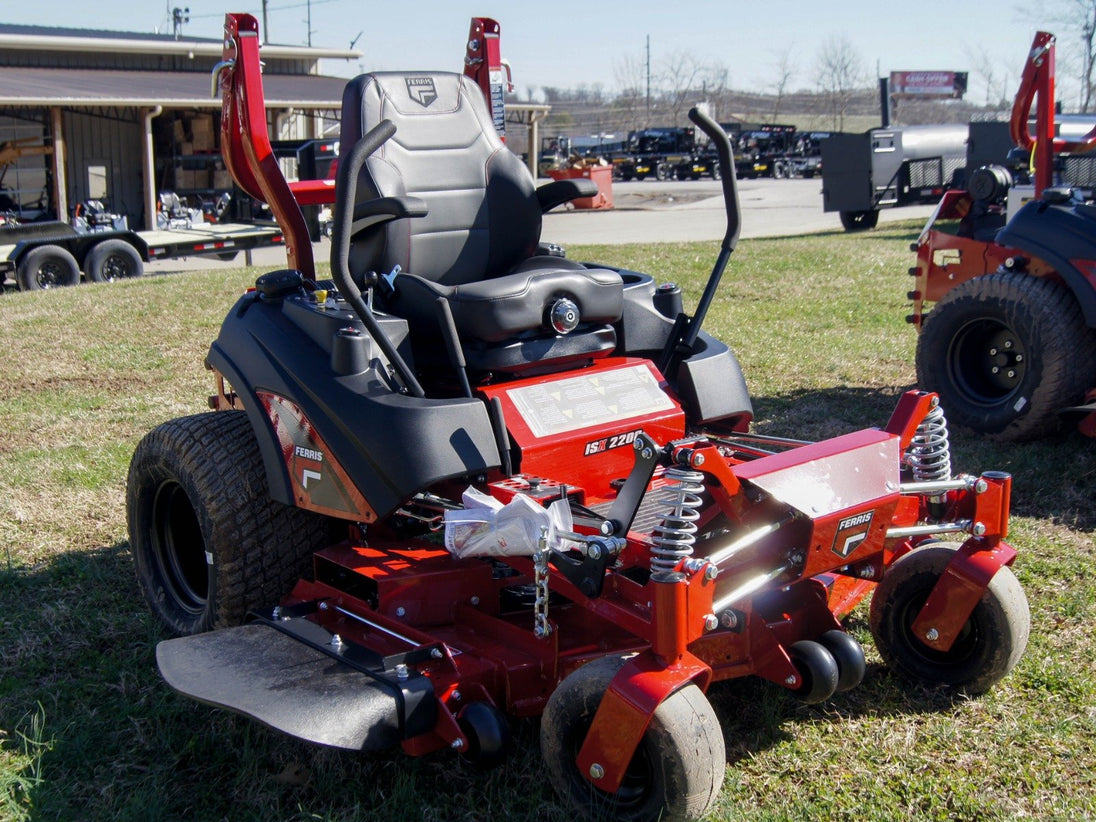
(111, 34)
(53, 38)
(26, 86)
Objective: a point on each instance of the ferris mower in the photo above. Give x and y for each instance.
(1011, 341)
(469, 480)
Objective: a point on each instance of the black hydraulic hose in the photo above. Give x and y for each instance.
(346, 184)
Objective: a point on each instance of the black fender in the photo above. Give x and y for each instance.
(372, 439)
(1060, 235)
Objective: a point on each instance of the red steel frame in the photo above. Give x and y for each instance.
(424, 597)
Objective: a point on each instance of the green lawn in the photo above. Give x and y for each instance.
(88, 731)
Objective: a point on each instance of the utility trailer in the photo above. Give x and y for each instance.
(890, 167)
(38, 256)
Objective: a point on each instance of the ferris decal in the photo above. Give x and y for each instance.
(422, 90)
(851, 531)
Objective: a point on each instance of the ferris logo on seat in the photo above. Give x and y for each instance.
(851, 531)
(422, 90)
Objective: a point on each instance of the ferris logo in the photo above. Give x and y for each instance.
(308, 453)
(609, 443)
(422, 90)
(851, 531)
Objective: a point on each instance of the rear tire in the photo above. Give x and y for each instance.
(1006, 352)
(676, 772)
(208, 541)
(113, 260)
(859, 220)
(48, 266)
(989, 645)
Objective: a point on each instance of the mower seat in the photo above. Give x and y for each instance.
(472, 232)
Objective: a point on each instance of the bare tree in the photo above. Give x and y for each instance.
(630, 74)
(785, 70)
(717, 86)
(681, 73)
(985, 65)
(840, 71)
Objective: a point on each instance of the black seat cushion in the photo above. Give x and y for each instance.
(498, 309)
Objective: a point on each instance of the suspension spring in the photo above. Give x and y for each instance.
(929, 454)
(672, 540)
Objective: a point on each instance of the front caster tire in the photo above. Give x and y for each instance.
(1006, 352)
(676, 772)
(208, 541)
(989, 645)
(818, 670)
(849, 656)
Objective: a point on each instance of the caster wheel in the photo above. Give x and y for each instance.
(818, 669)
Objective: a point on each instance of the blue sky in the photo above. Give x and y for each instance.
(561, 44)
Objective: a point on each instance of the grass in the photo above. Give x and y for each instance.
(89, 732)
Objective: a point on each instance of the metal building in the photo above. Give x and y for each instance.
(120, 117)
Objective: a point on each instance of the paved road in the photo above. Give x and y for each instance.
(693, 210)
(651, 211)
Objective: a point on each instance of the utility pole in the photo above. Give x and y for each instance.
(266, 24)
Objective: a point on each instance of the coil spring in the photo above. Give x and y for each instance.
(929, 454)
(673, 539)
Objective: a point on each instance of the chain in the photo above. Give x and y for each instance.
(541, 628)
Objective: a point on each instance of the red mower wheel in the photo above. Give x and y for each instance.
(208, 541)
(989, 645)
(676, 772)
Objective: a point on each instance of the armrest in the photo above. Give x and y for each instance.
(383, 209)
(558, 192)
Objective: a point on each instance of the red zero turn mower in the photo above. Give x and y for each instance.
(498, 483)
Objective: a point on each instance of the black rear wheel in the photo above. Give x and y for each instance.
(113, 260)
(1006, 352)
(208, 542)
(48, 266)
(859, 220)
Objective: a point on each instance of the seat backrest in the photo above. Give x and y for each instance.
(483, 218)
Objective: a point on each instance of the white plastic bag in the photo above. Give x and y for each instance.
(487, 528)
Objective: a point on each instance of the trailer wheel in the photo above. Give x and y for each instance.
(208, 541)
(113, 260)
(780, 171)
(663, 171)
(717, 173)
(676, 772)
(1006, 352)
(48, 266)
(859, 220)
(989, 645)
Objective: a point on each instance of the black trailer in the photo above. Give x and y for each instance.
(889, 167)
(53, 254)
(655, 152)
